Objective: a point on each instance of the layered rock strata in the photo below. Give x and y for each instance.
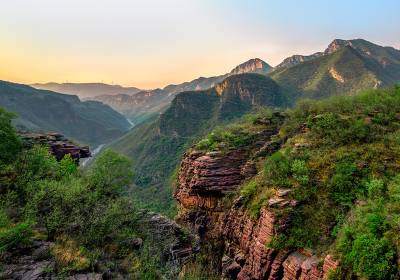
(58, 145)
(207, 180)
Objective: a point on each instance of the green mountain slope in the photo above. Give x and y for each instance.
(328, 185)
(140, 106)
(88, 122)
(157, 146)
(345, 67)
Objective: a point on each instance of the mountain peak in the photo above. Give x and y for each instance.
(337, 44)
(254, 65)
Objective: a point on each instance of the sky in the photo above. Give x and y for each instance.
(152, 43)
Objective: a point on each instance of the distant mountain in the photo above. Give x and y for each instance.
(156, 145)
(137, 107)
(344, 68)
(196, 84)
(88, 122)
(85, 90)
(297, 59)
(254, 65)
(142, 105)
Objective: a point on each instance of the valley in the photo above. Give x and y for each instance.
(287, 172)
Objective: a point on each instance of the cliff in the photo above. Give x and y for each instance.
(208, 182)
(308, 194)
(59, 146)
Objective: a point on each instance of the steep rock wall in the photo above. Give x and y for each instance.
(207, 183)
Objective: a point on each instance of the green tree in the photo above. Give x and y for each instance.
(10, 143)
(110, 173)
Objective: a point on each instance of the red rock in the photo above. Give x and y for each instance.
(329, 265)
(58, 145)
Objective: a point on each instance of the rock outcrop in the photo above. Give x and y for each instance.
(58, 145)
(207, 181)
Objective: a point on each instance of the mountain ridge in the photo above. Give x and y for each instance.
(89, 122)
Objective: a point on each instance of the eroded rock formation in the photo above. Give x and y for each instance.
(58, 145)
(207, 181)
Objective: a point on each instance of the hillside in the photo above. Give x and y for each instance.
(254, 65)
(86, 90)
(310, 193)
(156, 146)
(137, 107)
(344, 68)
(61, 222)
(88, 122)
(142, 105)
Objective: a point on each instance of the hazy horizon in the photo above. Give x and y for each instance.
(153, 44)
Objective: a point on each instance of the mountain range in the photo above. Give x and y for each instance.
(139, 105)
(170, 119)
(344, 68)
(86, 90)
(89, 122)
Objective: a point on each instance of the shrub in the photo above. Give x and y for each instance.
(300, 171)
(371, 257)
(344, 184)
(32, 166)
(67, 166)
(12, 236)
(110, 173)
(277, 168)
(394, 189)
(69, 255)
(363, 244)
(375, 188)
(10, 143)
(249, 190)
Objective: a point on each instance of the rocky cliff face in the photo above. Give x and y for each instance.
(336, 45)
(210, 205)
(59, 146)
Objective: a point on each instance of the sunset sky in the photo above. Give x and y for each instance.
(152, 43)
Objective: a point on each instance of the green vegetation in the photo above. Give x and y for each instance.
(344, 72)
(156, 146)
(86, 213)
(341, 162)
(11, 143)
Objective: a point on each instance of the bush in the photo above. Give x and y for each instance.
(110, 173)
(375, 188)
(362, 242)
(300, 171)
(344, 184)
(371, 257)
(277, 169)
(32, 166)
(10, 143)
(249, 190)
(12, 236)
(67, 166)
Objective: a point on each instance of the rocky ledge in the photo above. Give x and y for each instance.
(207, 180)
(58, 145)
